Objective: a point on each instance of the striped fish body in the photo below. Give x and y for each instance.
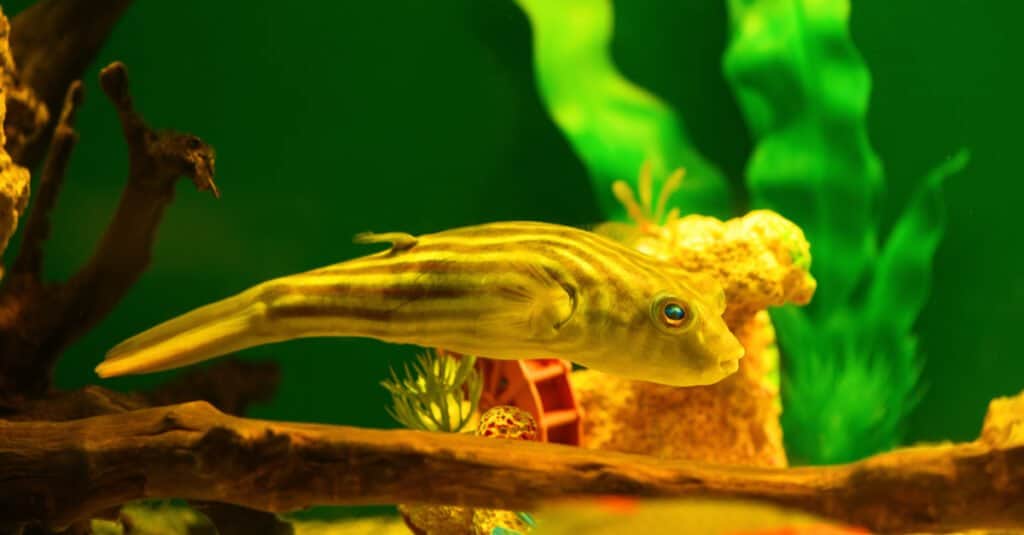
(514, 290)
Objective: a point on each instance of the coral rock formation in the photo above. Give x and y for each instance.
(761, 260)
(14, 179)
(26, 114)
(14, 189)
(735, 421)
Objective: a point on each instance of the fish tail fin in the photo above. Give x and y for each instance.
(216, 329)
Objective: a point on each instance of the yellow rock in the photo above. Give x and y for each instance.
(1004, 422)
(14, 179)
(761, 260)
(14, 189)
(735, 421)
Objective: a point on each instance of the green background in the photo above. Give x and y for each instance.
(332, 118)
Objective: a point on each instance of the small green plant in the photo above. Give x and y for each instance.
(438, 393)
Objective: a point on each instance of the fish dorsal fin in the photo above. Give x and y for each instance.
(400, 241)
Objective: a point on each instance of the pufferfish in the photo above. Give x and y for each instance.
(511, 290)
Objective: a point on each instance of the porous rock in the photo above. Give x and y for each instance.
(761, 260)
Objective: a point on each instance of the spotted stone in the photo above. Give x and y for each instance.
(507, 422)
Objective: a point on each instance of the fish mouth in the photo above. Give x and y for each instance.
(731, 364)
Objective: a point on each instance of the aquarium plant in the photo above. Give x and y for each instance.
(613, 124)
(439, 393)
(851, 368)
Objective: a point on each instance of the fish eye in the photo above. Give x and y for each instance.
(672, 312)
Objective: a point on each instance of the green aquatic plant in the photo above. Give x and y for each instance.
(613, 124)
(851, 367)
(851, 370)
(439, 393)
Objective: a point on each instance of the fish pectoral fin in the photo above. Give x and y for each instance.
(538, 309)
(551, 311)
(400, 241)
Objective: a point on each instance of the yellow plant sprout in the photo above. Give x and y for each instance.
(653, 231)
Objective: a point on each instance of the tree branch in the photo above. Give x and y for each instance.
(29, 262)
(157, 160)
(53, 42)
(230, 385)
(38, 321)
(62, 472)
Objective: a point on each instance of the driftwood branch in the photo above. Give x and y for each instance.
(53, 42)
(230, 385)
(62, 472)
(37, 321)
(37, 229)
(157, 160)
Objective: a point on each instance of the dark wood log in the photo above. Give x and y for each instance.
(230, 385)
(37, 228)
(62, 472)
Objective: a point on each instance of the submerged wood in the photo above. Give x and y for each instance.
(38, 318)
(65, 471)
(53, 43)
